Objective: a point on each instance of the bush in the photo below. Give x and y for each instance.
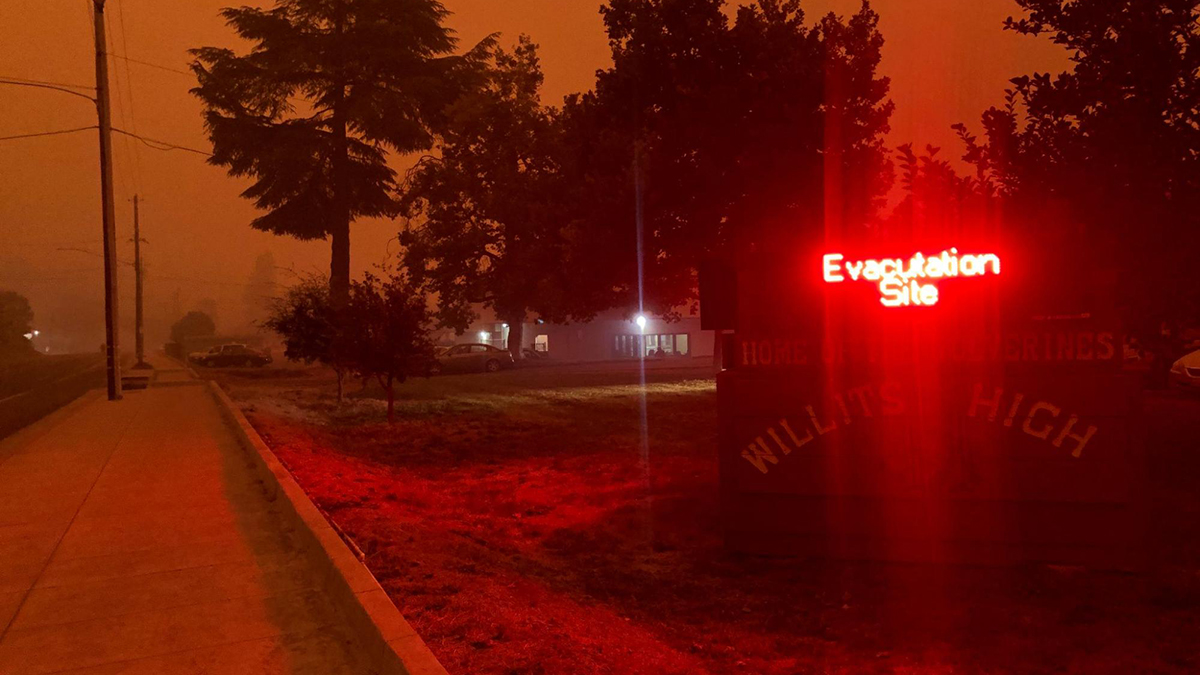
(193, 324)
(304, 317)
(382, 332)
(386, 333)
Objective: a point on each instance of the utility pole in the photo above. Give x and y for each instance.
(139, 334)
(111, 328)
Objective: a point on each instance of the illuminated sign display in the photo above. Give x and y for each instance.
(912, 282)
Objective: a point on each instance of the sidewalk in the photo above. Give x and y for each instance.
(135, 539)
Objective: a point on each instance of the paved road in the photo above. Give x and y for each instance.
(135, 539)
(33, 388)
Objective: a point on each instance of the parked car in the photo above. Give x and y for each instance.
(472, 358)
(1185, 373)
(232, 355)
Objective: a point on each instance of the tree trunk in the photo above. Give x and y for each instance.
(391, 394)
(341, 376)
(516, 333)
(339, 227)
(339, 264)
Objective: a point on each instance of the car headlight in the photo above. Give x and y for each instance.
(1177, 367)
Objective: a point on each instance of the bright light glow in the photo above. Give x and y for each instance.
(29, 336)
(37, 333)
(904, 285)
(483, 336)
(641, 322)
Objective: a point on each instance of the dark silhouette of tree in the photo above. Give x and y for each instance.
(709, 133)
(311, 111)
(491, 204)
(193, 324)
(310, 327)
(16, 320)
(385, 330)
(209, 307)
(380, 332)
(939, 204)
(1102, 162)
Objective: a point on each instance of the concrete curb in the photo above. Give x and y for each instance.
(394, 646)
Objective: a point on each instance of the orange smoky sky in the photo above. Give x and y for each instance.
(948, 59)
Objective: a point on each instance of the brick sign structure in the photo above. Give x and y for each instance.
(976, 427)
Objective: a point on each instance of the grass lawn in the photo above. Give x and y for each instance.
(524, 523)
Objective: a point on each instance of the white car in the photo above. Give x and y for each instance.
(1185, 373)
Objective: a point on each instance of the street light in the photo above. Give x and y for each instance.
(641, 322)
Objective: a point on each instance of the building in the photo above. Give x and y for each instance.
(613, 335)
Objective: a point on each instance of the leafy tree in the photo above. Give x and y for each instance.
(311, 111)
(709, 133)
(939, 204)
(386, 333)
(380, 332)
(310, 327)
(491, 203)
(193, 324)
(1102, 160)
(16, 320)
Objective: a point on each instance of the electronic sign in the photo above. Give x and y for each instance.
(971, 425)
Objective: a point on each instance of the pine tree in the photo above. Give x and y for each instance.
(311, 111)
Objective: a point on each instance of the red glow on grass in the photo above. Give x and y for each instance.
(524, 537)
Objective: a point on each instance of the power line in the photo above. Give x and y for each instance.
(77, 278)
(56, 243)
(137, 155)
(47, 133)
(39, 85)
(148, 64)
(294, 99)
(150, 142)
(119, 104)
(90, 252)
(25, 80)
